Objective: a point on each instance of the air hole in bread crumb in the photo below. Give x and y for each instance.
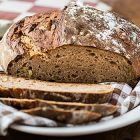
(92, 54)
(112, 62)
(69, 77)
(39, 78)
(92, 72)
(58, 56)
(129, 62)
(59, 72)
(24, 65)
(119, 68)
(88, 50)
(56, 66)
(30, 68)
(74, 75)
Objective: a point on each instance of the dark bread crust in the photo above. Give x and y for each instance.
(103, 30)
(39, 34)
(34, 89)
(103, 109)
(54, 96)
(30, 35)
(65, 116)
(39, 29)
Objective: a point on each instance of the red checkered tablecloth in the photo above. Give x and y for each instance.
(14, 10)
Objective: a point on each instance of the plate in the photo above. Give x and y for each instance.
(103, 126)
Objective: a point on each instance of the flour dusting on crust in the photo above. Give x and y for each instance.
(87, 26)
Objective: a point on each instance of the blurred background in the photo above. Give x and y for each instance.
(129, 9)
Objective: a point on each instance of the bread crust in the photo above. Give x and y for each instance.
(46, 31)
(31, 89)
(103, 30)
(103, 109)
(22, 88)
(64, 116)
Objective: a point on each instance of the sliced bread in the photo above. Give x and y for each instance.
(103, 109)
(65, 116)
(80, 44)
(31, 89)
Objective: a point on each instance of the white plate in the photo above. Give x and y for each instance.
(118, 122)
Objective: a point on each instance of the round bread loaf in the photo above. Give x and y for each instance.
(80, 44)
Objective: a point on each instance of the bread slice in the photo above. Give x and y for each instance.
(31, 89)
(103, 109)
(80, 45)
(65, 116)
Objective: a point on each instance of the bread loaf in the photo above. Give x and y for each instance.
(64, 116)
(103, 109)
(80, 44)
(32, 89)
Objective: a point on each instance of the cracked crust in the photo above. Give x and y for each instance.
(36, 36)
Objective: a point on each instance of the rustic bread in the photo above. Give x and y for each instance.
(103, 109)
(64, 116)
(95, 47)
(32, 89)
(103, 30)
(74, 64)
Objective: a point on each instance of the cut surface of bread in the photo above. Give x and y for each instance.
(32, 89)
(65, 116)
(74, 64)
(103, 109)
(46, 47)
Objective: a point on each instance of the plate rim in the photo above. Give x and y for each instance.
(104, 126)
